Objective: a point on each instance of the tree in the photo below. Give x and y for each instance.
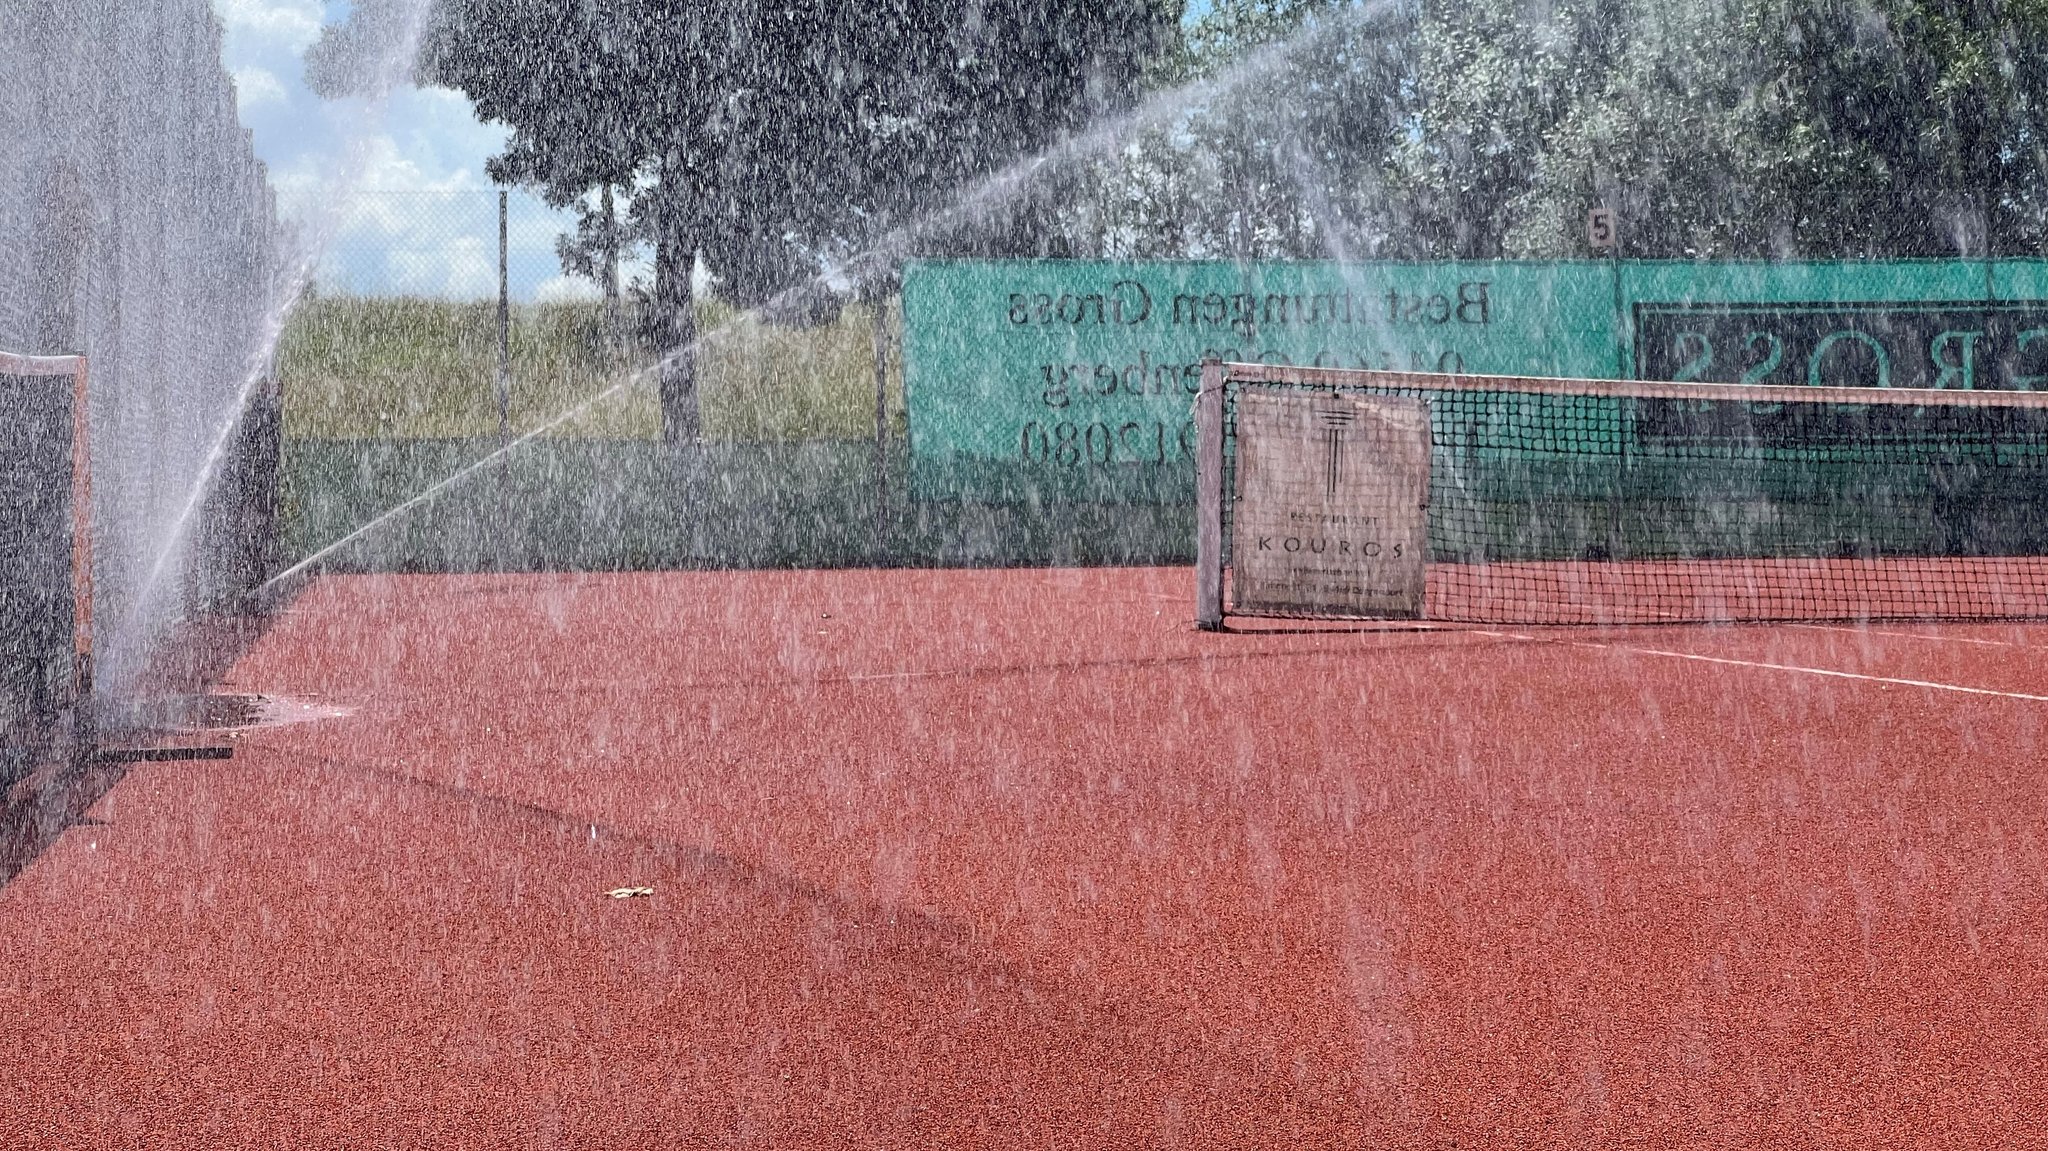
(1804, 127)
(764, 137)
(1821, 128)
(1264, 125)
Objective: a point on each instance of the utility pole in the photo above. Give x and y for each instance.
(504, 388)
(881, 306)
(1621, 332)
(613, 338)
(504, 322)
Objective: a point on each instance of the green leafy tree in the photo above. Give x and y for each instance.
(1812, 127)
(1481, 129)
(1275, 117)
(767, 138)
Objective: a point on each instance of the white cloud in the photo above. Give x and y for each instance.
(462, 267)
(394, 221)
(377, 186)
(440, 128)
(291, 25)
(564, 290)
(255, 87)
(392, 192)
(386, 166)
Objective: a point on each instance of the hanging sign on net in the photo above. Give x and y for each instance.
(1330, 515)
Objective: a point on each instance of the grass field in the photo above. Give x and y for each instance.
(357, 367)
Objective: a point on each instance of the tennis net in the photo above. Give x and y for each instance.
(1367, 494)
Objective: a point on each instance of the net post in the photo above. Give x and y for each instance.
(1209, 498)
(85, 726)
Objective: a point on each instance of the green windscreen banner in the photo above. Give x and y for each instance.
(1076, 379)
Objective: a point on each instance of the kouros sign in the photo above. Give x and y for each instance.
(1331, 498)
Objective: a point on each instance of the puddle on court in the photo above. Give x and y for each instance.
(219, 712)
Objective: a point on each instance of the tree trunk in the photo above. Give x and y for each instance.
(614, 348)
(675, 314)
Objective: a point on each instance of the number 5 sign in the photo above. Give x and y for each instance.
(1600, 228)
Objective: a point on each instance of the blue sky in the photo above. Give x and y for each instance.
(403, 186)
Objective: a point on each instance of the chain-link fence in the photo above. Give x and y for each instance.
(438, 315)
(441, 327)
(805, 456)
(444, 244)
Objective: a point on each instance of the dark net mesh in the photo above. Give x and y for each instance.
(36, 598)
(1714, 503)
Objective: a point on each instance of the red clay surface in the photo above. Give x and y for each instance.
(1017, 859)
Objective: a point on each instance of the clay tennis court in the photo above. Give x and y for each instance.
(1019, 859)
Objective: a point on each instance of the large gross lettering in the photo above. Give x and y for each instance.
(1912, 344)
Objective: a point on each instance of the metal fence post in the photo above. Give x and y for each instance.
(504, 384)
(504, 321)
(881, 306)
(614, 334)
(1209, 498)
(1987, 205)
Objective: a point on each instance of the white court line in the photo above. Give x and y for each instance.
(1909, 635)
(871, 676)
(1792, 667)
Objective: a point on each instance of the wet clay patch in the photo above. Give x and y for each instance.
(218, 712)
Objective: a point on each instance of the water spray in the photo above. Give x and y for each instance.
(880, 257)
